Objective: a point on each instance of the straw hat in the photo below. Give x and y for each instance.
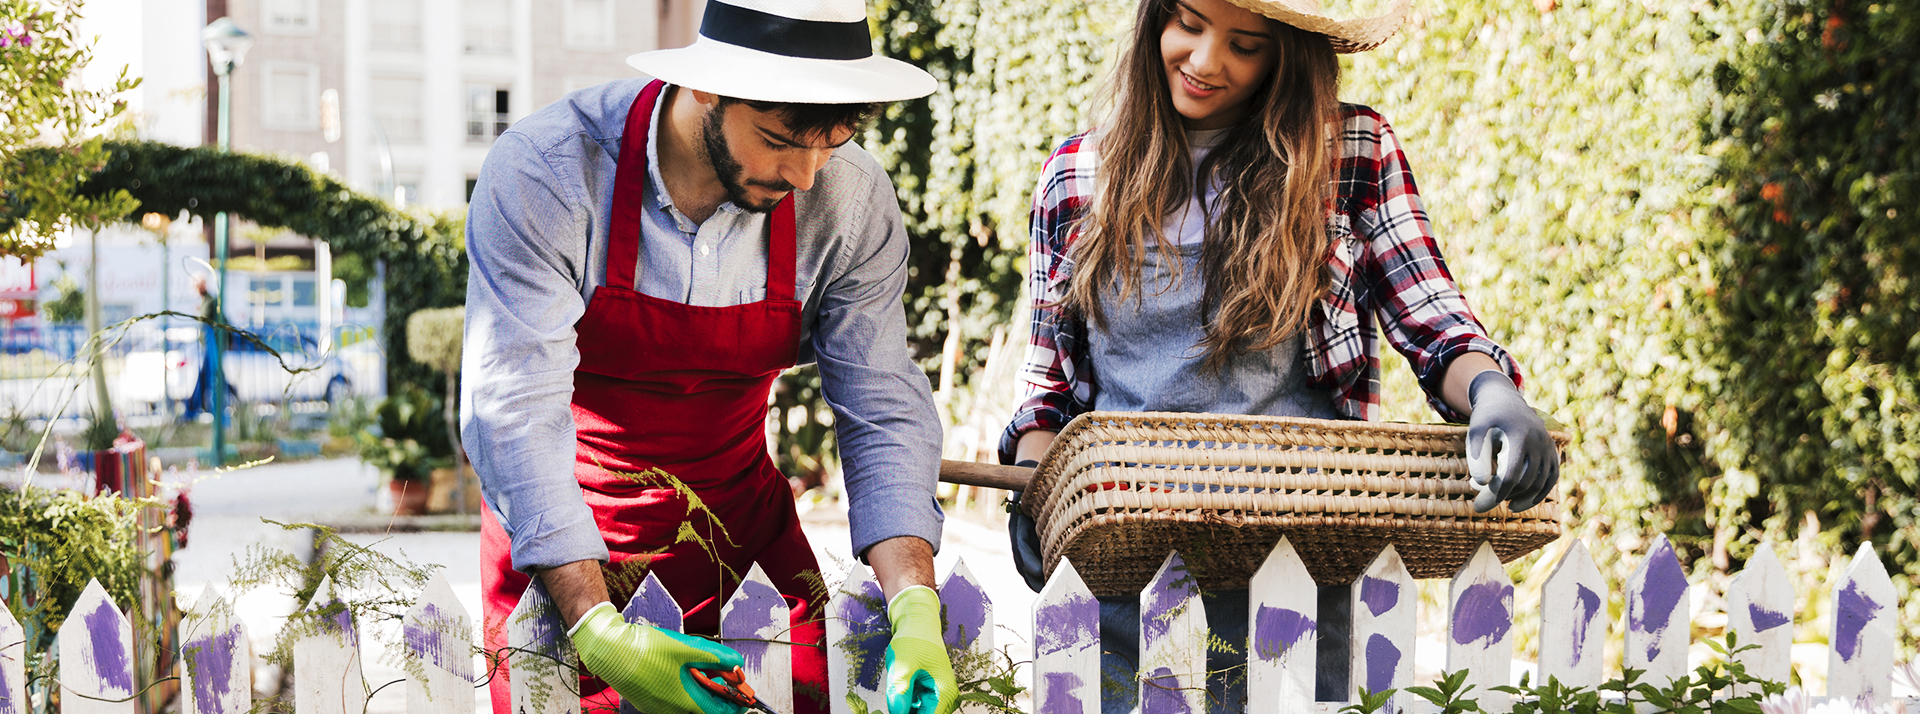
(806, 51)
(1355, 35)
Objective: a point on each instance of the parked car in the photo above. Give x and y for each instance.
(300, 372)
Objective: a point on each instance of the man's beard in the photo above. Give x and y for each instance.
(732, 175)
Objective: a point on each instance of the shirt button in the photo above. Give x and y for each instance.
(705, 249)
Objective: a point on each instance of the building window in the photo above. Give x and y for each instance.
(288, 17)
(395, 25)
(396, 105)
(489, 26)
(487, 110)
(590, 24)
(291, 97)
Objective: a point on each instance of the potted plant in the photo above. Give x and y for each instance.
(407, 442)
(433, 339)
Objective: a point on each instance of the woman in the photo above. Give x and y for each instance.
(1223, 242)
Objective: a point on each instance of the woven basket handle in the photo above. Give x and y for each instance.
(967, 473)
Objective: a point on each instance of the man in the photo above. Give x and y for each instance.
(647, 257)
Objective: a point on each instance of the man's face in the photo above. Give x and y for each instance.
(759, 159)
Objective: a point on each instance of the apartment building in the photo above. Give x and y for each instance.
(404, 97)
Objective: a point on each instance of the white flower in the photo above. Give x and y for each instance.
(1792, 701)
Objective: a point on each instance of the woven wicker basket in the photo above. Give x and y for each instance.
(1117, 491)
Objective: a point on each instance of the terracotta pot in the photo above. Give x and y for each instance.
(409, 497)
(442, 498)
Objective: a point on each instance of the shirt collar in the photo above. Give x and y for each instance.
(653, 157)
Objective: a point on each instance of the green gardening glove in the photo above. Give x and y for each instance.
(648, 666)
(919, 675)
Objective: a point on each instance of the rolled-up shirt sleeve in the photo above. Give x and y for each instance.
(888, 430)
(527, 251)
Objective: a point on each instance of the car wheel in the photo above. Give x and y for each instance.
(338, 391)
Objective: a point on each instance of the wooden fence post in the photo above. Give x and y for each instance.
(1283, 613)
(541, 661)
(216, 659)
(1173, 641)
(651, 604)
(1760, 611)
(1066, 645)
(969, 623)
(96, 656)
(326, 662)
(857, 637)
(1860, 663)
(757, 622)
(1573, 632)
(1383, 629)
(1658, 618)
(13, 663)
(1480, 631)
(439, 652)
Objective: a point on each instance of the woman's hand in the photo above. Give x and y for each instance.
(1510, 456)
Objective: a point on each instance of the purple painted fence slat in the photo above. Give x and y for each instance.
(542, 661)
(439, 647)
(1480, 627)
(216, 659)
(755, 621)
(1173, 642)
(1383, 629)
(1066, 645)
(1573, 620)
(1283, 616)
(13, 663)
(651, 604)
(327, 662)
(969, 620)
(1760, 610)
(1865, 616)
(1658, 618)
(857, 637)
(96, 656)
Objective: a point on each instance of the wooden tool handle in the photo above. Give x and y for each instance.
(968, 473)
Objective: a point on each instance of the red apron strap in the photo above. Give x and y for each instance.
(780, 249)
(629, 186)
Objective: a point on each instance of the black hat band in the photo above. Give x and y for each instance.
(770, 33)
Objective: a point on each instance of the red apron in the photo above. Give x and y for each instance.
(681, 389)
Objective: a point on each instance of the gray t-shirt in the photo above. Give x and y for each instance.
(1147, 357)
(537, 243)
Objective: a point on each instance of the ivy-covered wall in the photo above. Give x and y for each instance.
(1691, 221)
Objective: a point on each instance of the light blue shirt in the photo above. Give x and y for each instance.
(537, 245)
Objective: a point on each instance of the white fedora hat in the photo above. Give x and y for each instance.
(806, 51)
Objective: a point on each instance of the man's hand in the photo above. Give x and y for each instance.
(919, 674)
(1510, 456)
(649, 666)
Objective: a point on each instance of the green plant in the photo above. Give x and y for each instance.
(1450, 696)
(42, 51)
(410, 440)
(70, 303)
(55, 542)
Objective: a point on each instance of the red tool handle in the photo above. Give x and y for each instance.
(732, 686)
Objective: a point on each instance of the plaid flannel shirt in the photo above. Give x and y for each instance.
(1382, 259)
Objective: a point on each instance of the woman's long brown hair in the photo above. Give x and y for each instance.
(1264, 255)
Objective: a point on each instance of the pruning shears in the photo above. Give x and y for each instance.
(732, 686)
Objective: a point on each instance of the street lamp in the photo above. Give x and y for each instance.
(227, 45)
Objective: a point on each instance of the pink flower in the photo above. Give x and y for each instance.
(16, 32)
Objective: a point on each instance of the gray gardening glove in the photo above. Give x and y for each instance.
(1510, 457)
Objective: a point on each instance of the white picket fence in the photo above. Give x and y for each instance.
(96, 655)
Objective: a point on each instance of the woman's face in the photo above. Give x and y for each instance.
(1217, 55)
